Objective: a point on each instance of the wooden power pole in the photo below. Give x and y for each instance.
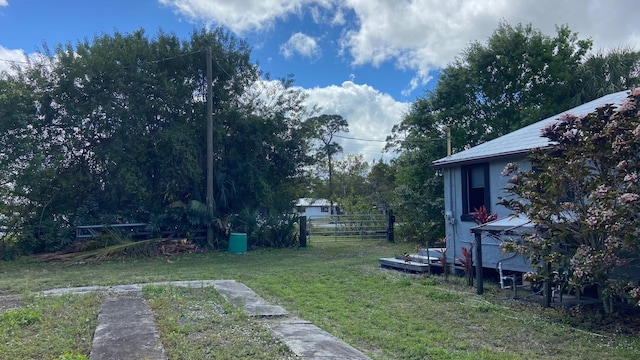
(209, 148)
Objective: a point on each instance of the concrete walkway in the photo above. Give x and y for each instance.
(126, 329)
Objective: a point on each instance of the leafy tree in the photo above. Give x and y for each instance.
(382, 178)
(605, 73)
(324, 128)
(353, 189)
(350, 174)
(418, 196)
(518, 76)
(114, 131)
(585, 200)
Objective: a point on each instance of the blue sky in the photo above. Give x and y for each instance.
(363, 59)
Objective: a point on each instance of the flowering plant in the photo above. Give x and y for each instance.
(583, 193)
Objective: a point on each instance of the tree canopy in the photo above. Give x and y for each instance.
(516, 77)
(113, 130)
(323, 128)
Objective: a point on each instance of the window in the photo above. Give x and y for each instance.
(324, 209)
(475, 189)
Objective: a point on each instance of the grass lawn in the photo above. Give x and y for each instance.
(339, 287)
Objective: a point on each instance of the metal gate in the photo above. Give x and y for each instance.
(347, 228)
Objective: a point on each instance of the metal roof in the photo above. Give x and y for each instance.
(509, 225)
(312, 202)
(523, 140)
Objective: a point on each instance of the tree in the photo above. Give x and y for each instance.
(324, 128)
(418, 196)
(584, 195)
(118, 132)
(382, 178)
(605, 73)
(518, 76)
(350, 179)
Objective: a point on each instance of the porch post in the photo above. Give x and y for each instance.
(479, 280)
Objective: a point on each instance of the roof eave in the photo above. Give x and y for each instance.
(478, 159)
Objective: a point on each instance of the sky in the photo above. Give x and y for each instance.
(365, 60)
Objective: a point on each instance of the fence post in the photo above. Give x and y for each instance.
(302, 221)
(390, 220)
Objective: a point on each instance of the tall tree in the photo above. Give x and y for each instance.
(119, 127)
(604, 73)
(324, 128)
(382, 178)
(518, 76)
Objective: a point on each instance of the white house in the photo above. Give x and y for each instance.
(313, 208)
(472, 178)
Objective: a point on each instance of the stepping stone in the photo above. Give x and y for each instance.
(126, 330)
(312, 343)
(241, 295)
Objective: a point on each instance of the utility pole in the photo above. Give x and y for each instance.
(209, 148)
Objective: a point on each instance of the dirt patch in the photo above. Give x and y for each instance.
(9, 302)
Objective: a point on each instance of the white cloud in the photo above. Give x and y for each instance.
(239, 16)
(370, 114)
(4, 3)
(423, 35)
(10, 57)
(301, 44)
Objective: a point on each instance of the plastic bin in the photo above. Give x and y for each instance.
(237, 243)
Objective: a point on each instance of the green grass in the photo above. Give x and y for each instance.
(339, 287)
(199, 324)
(48, 328)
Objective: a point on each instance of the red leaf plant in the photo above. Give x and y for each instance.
(467, 263)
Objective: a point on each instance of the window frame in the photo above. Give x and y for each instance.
(466, 172)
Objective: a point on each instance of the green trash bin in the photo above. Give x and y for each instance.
(238, 243)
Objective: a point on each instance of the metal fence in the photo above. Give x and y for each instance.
(347, 228)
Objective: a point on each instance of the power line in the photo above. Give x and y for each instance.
(359, 139)
(420, 140)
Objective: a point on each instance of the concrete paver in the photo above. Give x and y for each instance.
(312, 343)
(241, 295)
(127, 330)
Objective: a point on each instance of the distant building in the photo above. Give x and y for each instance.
(313, 208)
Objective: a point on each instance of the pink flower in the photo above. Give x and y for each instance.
(628, 198)
(509, 169)
(622, 165)
(627, 105)
(632, 178)
(592, 221)
(601, 191)
(549, 129)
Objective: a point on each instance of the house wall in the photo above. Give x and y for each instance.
(458, 232)
(315, 212)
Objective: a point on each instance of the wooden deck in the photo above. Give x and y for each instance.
(411, 263)
(416, 263)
